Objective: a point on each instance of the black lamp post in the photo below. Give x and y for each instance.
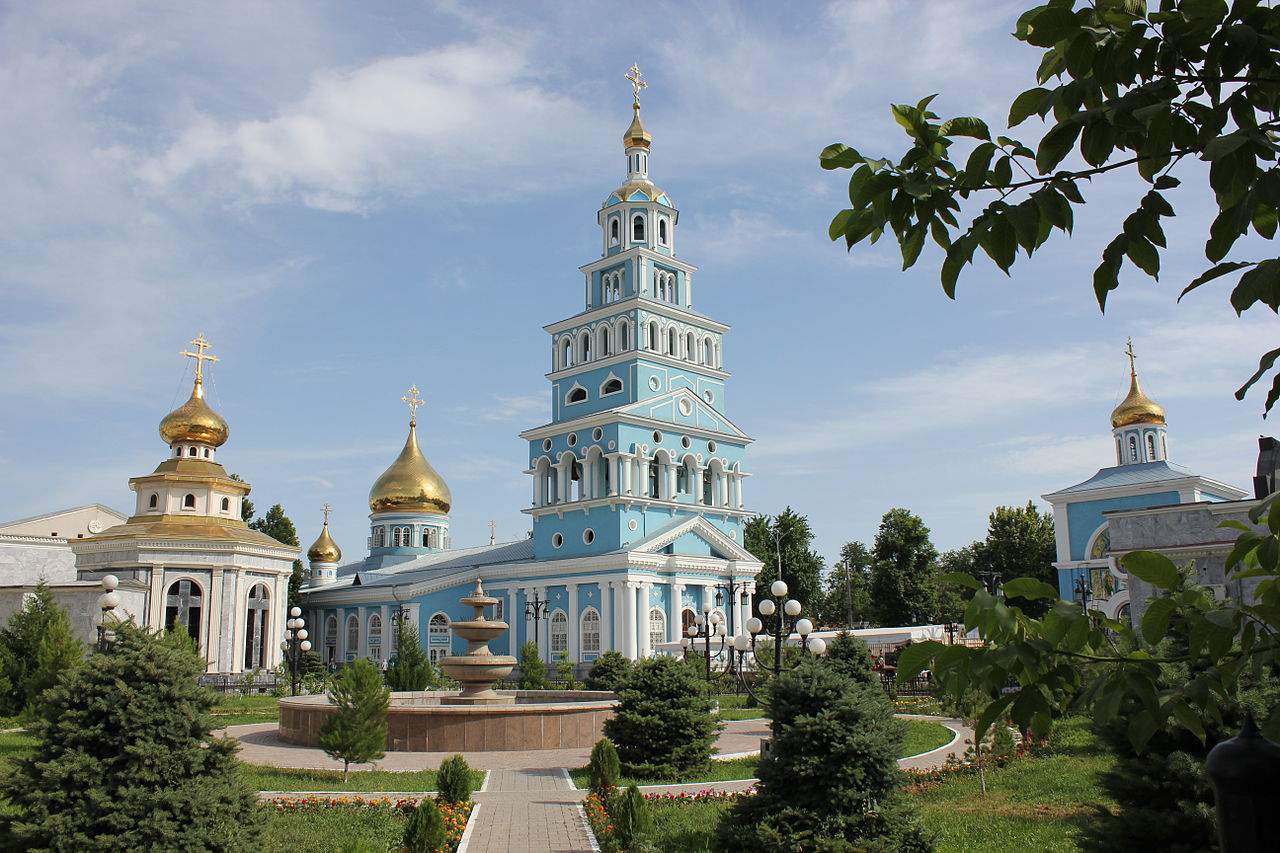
(534, 610)
(297, 644)
(107, 603)
(781, 617)
(706, 625)
(1084, 591)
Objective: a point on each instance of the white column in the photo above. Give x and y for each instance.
(237, 624)
(669, 474)
(573, 621)
(625, 472)
(362, 618)
(155, 618)
(562, 482)
(611, 459)
(724, 489)
(214, 644)
(386, 634)
(674, 609)
(646, 648)
(741, 501)
(628, 619)
(744, 612)
(512, 624)
(544, 627)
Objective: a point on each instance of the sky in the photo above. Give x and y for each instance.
(348, 199)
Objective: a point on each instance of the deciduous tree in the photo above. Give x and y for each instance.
(787, 538)
(903, 590)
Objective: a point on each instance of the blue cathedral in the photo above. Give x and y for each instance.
(637, 479)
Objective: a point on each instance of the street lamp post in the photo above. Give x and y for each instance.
(107, 603)
(296, 645)
(783, 615)
(706, 625)
(1084, 591)
(534, 610)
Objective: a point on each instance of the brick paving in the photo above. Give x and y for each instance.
(533, 810)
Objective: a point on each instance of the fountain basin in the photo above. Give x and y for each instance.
(423, 721)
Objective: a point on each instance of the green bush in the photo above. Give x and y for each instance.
(357, 732)
(849, 655)
(124, 760)
(631, 819)
(453, 780)
(608, 671)
(425, 831)
(37, 646)
(533, 669)
(410, 669)
(831, 779)
(604, 768)
(663, 725)
(564, 671)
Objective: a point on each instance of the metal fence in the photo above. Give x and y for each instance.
(263, 681)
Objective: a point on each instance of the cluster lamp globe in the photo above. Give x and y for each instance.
(767, 608)
(295, 612)
(792, 607)
(721, 630)
(715, 618)
(817, 645)
(754, 625)
(699, 619)
(684, 642)
(302, 633)
(742, 643)
(305, 645)
(778, 588)
(692, 630)
(804, 627)
(706, 607)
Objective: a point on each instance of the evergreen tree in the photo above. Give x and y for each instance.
(831, 779)
(279, 527)
(608, 671)
(410, 669)
(847, 597)
(790, 536)
(604, 769)
(850, 656)
(453, 780)
(663, 725)
(1020, 543)
(36, 645)
(533, 669)
(124, 760)
(903, 585)
(425, 832)
(358, 731)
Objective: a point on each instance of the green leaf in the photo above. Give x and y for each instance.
(1029, 588)
(1057, 142)
(912, 243)
(1142, 726)
(975, 168)
(1260, 284)
(1264, 364)
(1188, 719)
(836, 229)
(990, 714)
(1156, 569)
(966, 126)
(1155, 621)
(1051, 25)
(1144, 256)
(1033, 101)
(915, 658)
(1213, 272)
(1098, 142)
(1224, 145)
(960, 579)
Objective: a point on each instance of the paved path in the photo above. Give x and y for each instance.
(533, 810)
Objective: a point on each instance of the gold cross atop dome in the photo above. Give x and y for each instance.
(1133, 368)
(413, 401)
(493, 532)
(637, 83)
(326, 509)
(200, 355)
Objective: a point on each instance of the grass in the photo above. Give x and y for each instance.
(284, 779)
(923, 736)
(734, 707)
(1035, 803)
(233, 710)
(333, 829)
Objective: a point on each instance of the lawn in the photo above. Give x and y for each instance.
(283, 779)
(1035, 803)
(333, 829)
(923, 736)
(234, 710)
(734, 707)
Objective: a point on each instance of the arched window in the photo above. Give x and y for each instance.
(1151, 447)
(691, 348)
(331, 639)
(671, 342)
(256, 640)
(584, 345)
(153, 502)
(559, 634)
(191, 451)
(1119, 453)
(687, 620)
(590, 633)
(379, 537)
(439, 637)
(577, 395)
(707, 353)
(189, 502)
(426, 537)
(637, 228)
(353, 637)
(566, 353)
(624, 336)
(662, 231)
(613, 386)
(653, 478)
(1133, 449)
(653, 335)
(657, 627)
(206, 453)
(706, 486)
(613, 231)
(182, 608)
(375, 636)
(604, 341)
(226, 504)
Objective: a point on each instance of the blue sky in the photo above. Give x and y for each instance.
(350, 198)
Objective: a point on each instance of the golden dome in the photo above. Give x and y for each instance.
(1136, 407)
(194, 421)
(410, 484)
(636, 136)
(324, 549)
(650, 190)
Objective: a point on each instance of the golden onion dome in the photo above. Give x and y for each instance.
(410, 484)
(636, 136)
(1136, 407)
(324, 549)
(194, 421)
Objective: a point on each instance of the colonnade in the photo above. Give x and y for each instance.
(621, 473)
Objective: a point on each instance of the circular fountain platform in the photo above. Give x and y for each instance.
(425, 722)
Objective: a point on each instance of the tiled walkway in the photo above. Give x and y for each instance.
(534, 810)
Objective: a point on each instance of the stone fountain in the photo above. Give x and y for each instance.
(479, 669)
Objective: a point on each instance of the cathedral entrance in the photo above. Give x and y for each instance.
(255, 628)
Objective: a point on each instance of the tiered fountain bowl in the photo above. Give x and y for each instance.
(477, 718)
(479, 669)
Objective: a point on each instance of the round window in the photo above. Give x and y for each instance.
(572, 439)
(546, 444)
(597, 434)
(686, 408)
(588, 536)
(711, 445)
(708, 396)
(686, 443)
(631, 525)
(654, 383)
(657, 437)
(556, 540)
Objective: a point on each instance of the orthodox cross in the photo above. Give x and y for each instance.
(200, 355)
(1129, 352)
(493, 532)
(326, 509)
(636, 83)
(413, 401)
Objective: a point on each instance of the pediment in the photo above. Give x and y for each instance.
(684, 408)
(720, 545)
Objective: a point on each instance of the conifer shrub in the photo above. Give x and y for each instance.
(663, 726)
(357, 732)
(608, 671)
(831, 779)
(453, 780)
(631, 818)
(410, 669)
(604, 769)
(564, 672)
(533, 669)
(37, 646)
(425, 832)
(125, 760)
(849, 654)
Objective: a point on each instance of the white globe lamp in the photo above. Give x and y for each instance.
(792, 607)
(804, 627)
(767, 608)
(778, 588)
(754, 625)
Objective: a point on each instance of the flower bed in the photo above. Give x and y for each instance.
(455, 815)
(919, 779)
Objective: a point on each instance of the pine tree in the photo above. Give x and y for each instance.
(608, 671)
(425, 832)
(357, 732)
(410, 669)
(125, 760)
(36, 645)
(533, 669)
(663, 725)
(831, 779)
(850, 656)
